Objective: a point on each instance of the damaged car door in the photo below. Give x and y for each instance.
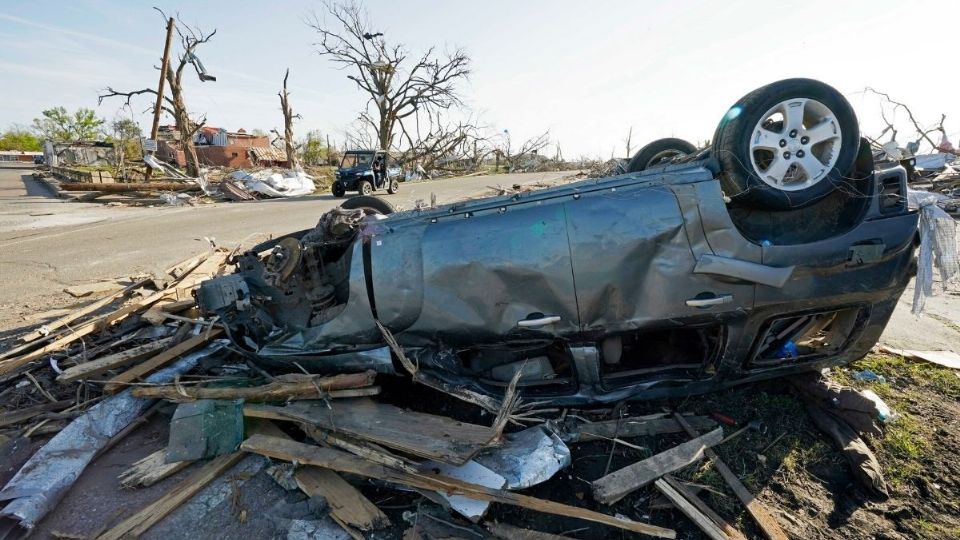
(491, 274)
(640, 294)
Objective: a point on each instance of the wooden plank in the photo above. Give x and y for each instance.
(286, 387)
(86, 310)
(151, 470)
(638, 427)
(509, 532)
(22, 415)
(618, 484)
(140, 522)
(160, 360)
(347, 504)
(757, 511)
(336, 460)
(105, 286)
(366, 450)
(434, 437)
(732, 532)
(111, 361)
(709, 528)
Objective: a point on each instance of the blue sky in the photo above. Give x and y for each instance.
(587, 71)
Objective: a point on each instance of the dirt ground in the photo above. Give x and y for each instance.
(791, 467)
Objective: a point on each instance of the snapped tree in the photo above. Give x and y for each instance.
(288, 116)
(190, 39)
(398, 86)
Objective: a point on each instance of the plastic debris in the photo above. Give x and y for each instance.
(938, 247)
(528, 458)
(884, 413)
(276, 184)
(868, 376)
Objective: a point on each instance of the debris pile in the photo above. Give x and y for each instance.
(93, 375)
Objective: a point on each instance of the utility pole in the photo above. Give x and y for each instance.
(158, 108)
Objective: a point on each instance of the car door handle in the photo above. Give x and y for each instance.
(543, 321)
(712, 301)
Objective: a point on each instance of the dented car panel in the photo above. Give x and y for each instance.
(633, 286)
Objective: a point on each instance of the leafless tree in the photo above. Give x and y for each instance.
(288, 117)
(527, 148)
(923, 134)
(628, 141)
(398, 86)
(190, 39)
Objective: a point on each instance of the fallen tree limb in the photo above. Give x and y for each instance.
(329, 458)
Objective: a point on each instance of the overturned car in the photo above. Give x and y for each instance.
(776, 250)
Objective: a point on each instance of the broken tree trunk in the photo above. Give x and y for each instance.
(286, 387)
(618, 484)
(292, 160)
(329, 458)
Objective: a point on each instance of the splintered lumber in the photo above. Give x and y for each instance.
(336, 460)
(366, 450)
(638, 427)
(425, 435)
(22, 415)
(104, 286)
(140, 522)
(347, 504)
(697, 510)
(286, 387)
(86, 310)
(111, 361)
(160, 360)
(616, 485)
(151, 470)
(759, 513)
(705, 524)
(509, 532)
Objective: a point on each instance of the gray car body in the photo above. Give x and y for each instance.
(601, 257)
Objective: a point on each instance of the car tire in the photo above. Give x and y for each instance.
(659, 151)
(338, 190)
(370, 204)
(393, 187)
(787, 144)
(364, 187)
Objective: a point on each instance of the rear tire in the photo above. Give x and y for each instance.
(787, 144)
(394, 186)
(369, 204)
(364, 187)
(659, 152)
(338, 190)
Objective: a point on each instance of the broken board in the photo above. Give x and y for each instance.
(425, 435)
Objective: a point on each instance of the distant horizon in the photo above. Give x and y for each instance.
(587, 76)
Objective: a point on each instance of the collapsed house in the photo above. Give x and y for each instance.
(221, 148)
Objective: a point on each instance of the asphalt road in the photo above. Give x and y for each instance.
(47, 244)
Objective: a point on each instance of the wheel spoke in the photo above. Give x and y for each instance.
(794, 114)
(811, 166)
(764, 138)
(777, 170)
(823, 131)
